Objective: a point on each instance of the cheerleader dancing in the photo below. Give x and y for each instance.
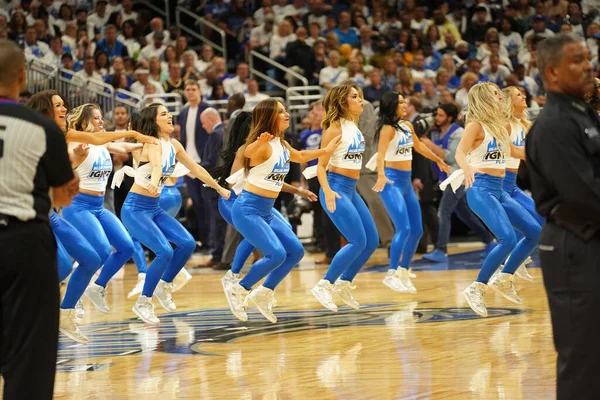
(397, 139)
(482, 154)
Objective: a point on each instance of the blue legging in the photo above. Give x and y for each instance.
(155, 229)
(103, 230)
(244, 248)
(403, 207)
(510, 186)
(82, 251)
(170, 201)
(501, 213)
(253, 217)
(65, 265)
(355, 223)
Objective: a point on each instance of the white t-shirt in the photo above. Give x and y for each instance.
(253, 100)
(333, 76)
(190, 130)
(234, 85)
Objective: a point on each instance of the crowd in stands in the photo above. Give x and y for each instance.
(431, 51)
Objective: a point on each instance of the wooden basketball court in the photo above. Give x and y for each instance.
(398, 346)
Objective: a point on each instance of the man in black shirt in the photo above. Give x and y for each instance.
(563, 158)
(33, 160)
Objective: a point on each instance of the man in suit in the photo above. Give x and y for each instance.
(213, 125)
(194, 138)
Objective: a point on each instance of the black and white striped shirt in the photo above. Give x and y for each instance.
(33, 158)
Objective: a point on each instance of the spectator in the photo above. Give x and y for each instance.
(33, 47)
(266, 8)
(314, 34)
(509, 38)
(298, 53)
(443, 25)
(189, 67)
(345, 33)
(127, 11)
(495, 72)
(18, 27)
(157, 26)
(431, 98)
(253, 96)
(432, 35)
(538, 23)
(390, 73)
(206, 58)
(355, 72)
(477, 29)
(54, 56)
(97, 20)
(174, 84)
(239, 83)
(212, 124)
(102, 64)
(280, 40)
(375, 89)
(156, 72)
(69, 37)
(220, 69)
(418, 71)
(142, 81)
(170, 54)
(129, 40)
(466, 83)
(155, 49)
(110, 45)
(332, 75)
(89, 70)
(218, 92)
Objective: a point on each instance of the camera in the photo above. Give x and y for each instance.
(296, 208)
(423, 123)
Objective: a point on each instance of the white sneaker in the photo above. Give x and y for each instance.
(182, 279)
(97, 295)
(139, 286)
(474, 296)
(144, 309)
(505, 285)
(402, 274)
(68, 326)
(412, 274)
(236, 298)
(163, 294)
(323, 291)
(343, 290)
(523, 273)
(79, 310)
(229, 280)
(392, 281)
(262, 298)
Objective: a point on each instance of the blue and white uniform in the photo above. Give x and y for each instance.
(253, 217)
(351, 216)
(154, 227)
(100, 227)
(401, 201)
(517, 137)
(499, 211)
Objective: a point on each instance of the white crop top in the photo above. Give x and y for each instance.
(487, 154)
(517, 137)
(143, 174)
(95, 169)
(349, 153)
(401, 145)
(270, 174)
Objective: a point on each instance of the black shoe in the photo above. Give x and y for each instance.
(222, 267)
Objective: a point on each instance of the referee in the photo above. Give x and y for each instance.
(33, 160)
(563, 157)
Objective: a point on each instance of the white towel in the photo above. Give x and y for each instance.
(372, 164)
(180, 170)
(310, 172)
(120, 175)
(238, 179)
(455, 180)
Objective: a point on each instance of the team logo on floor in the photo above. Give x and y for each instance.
(189, 332)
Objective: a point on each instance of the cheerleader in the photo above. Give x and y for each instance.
(267, 160)
(87, 213)
(482, 154)
(519, 125)
(148, 222)
(50, 103)
(394, 163)
(343, 106)
(233, 163)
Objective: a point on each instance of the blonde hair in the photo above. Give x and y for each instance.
(335, 104)
(81, 118)
(524, 121)
(484, 107)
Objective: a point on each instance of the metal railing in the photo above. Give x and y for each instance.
(202, 23)
(253, 71)
(299, 99)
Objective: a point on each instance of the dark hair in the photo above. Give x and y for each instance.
(550, 51)
(239, 131)
(450, 109)
(147, 121)
(42, 102)
(387, 112)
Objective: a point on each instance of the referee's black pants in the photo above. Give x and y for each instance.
(571, 269)
(29, 310)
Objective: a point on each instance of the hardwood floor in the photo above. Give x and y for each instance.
(424, 346)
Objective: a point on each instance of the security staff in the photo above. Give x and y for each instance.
(563, 156)
(33, 160)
